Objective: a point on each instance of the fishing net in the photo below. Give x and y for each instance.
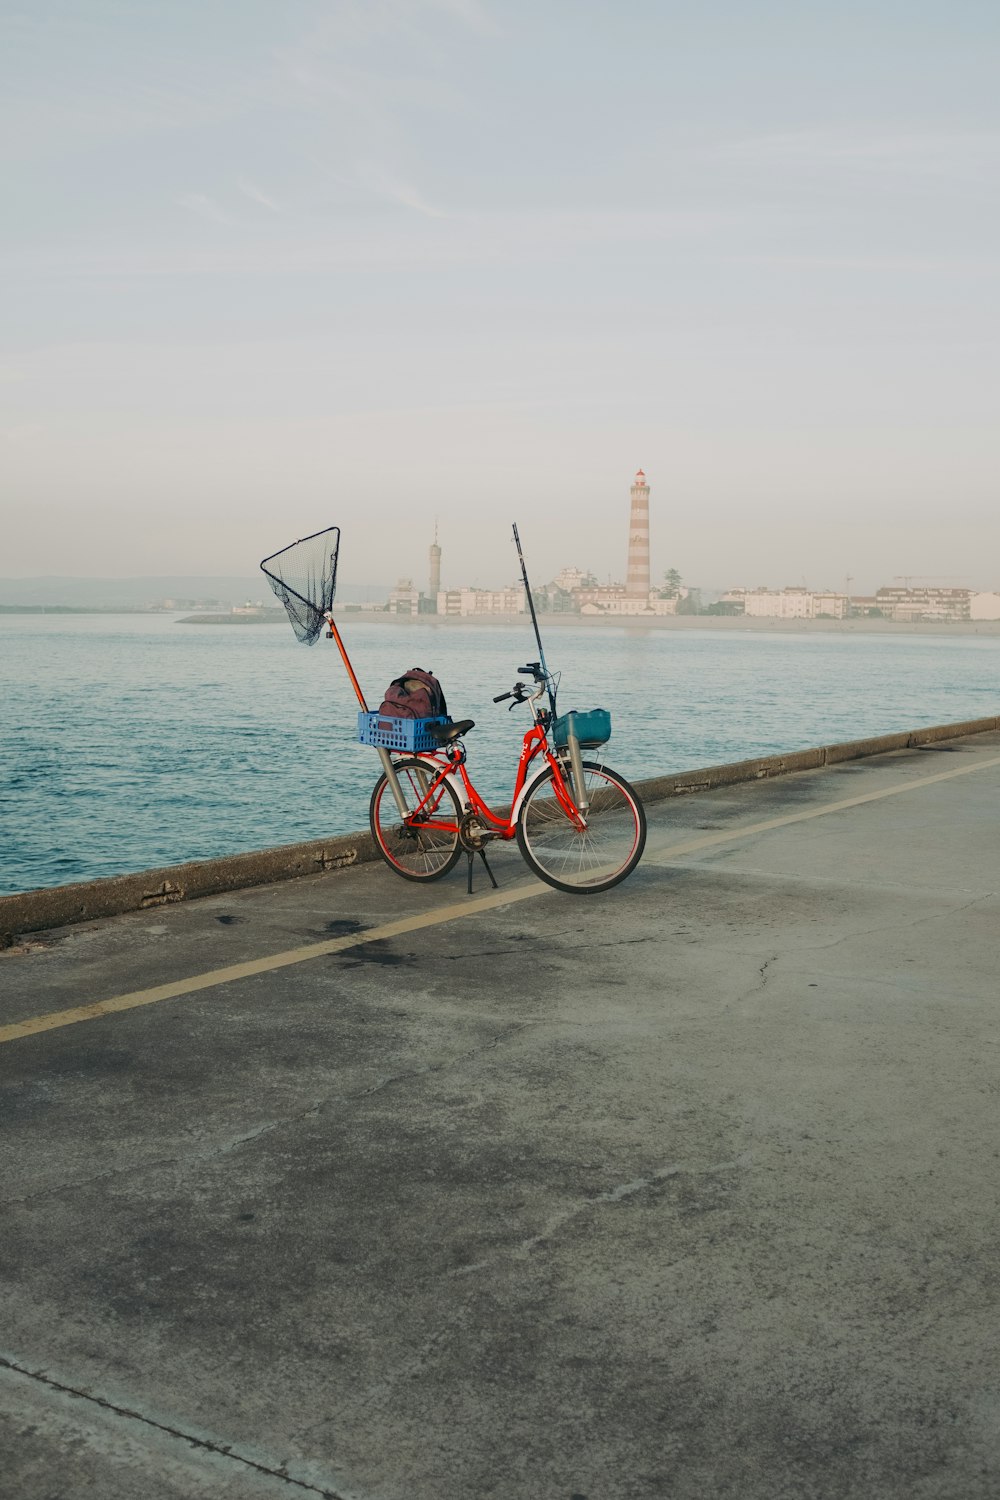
(304, 577)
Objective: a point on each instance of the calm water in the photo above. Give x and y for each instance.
(128, 742)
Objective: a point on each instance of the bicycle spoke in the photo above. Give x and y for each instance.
(590, 857)
(426, 845)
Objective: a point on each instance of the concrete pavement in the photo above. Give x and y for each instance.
(686, 1190)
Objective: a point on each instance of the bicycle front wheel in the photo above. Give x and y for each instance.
(589, 859)
(425, 850)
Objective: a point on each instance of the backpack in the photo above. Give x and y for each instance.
(416, 695)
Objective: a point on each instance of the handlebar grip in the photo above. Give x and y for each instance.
(502, 696)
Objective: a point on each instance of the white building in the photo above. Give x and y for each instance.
(569, 579)
(614, 601)
(405, 599)
(509, 601)
(789, 604)
(930, 603)
(984, 607)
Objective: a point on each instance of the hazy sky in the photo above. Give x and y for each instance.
(270, 266)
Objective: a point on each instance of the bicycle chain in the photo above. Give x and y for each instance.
(471, 833)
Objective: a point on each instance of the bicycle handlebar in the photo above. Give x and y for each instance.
(519, 693)
(533, 669)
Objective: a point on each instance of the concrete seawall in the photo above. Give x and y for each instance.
(58, 906)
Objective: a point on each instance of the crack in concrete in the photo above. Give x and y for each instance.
(616, 1194)
(901, 926)
(761, 985)
(206, 1445)
(852, 937)
(792, 953)
(224, 1148)
(522, 1251)
(490, 1046)
(576, 948)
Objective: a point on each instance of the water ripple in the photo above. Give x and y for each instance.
(133, 742)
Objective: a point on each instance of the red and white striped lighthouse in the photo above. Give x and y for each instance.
(637, 576)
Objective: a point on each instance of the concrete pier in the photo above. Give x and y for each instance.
(344, 1186)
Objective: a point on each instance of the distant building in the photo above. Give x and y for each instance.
(790, 603)
(405, 599)
(778, 604)
(569, 579)
(984, 607)
(928, 603)
(614, 599)
(637, 574)
(435, 570)
(509, 601)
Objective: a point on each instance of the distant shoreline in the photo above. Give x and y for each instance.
(743, 623)
(859, 626)
(79, 609)
(264, 617)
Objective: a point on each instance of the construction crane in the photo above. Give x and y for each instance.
(907, 578)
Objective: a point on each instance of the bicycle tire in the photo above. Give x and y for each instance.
(414, 853)
(596, 859)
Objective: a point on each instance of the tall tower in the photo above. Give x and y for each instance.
(637, 578)
(435, 579)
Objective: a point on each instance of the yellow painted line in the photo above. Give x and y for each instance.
(665, 854)
(254, 966)
(469, 907)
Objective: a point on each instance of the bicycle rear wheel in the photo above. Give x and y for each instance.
(595, 858)
(429, 850)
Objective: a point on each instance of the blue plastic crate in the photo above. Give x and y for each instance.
(397, 734)
(593, 728)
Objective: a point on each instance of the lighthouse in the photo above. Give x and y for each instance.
(435, 569)
(637, 577)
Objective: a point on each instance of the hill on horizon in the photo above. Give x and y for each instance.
(143, 591)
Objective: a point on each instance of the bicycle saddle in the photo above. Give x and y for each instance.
(445, 733)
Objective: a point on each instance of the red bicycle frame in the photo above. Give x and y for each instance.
(448, 762)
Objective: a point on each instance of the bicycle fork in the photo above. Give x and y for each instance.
(579, 785)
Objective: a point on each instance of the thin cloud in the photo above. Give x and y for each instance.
(204, 207)
(256, 195)
(916, 152)
(471, 13)
(433, 237)
(385, 185)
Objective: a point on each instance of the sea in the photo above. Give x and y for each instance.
(134, 741)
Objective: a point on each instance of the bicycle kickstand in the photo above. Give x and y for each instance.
(482, 856)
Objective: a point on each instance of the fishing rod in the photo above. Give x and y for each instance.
(534, 620)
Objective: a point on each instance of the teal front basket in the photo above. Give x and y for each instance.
(593, 728)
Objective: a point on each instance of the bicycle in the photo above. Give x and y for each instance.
(579, 825)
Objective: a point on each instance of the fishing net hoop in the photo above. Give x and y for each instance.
(304, 577)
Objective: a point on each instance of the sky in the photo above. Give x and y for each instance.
(380, 263)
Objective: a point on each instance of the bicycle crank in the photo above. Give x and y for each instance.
(472, 835)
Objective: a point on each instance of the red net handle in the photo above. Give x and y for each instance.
(335, 635)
